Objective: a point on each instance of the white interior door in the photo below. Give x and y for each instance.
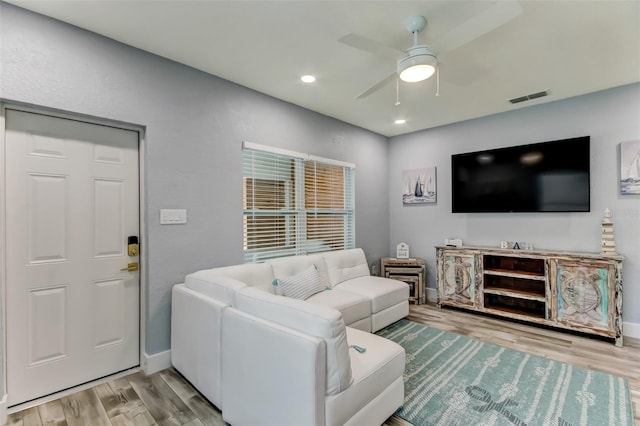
(72, 199)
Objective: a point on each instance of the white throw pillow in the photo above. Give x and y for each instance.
(302, 285)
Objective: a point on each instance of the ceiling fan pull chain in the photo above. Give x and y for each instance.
(437, 80)
(397, 91)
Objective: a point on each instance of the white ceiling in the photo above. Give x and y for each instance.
(566, 47)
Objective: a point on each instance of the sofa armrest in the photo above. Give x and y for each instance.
(196, 327)
(273, 375)
(218, 287)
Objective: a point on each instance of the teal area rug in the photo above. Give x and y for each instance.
(455, 380)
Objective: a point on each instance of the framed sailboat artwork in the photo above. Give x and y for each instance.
(630, 167)
(419, 186)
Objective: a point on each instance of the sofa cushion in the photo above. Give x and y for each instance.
(353, 307)
(345, 264)
(252, 274)
(374, 370)
(300, 286)
(315, 320)
(212, 285)
(383, 292)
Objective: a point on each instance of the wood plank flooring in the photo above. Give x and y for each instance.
(166, 398)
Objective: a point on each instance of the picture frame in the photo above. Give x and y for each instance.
(630, 167)
(419, 186)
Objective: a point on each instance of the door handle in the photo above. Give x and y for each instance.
(131, 267)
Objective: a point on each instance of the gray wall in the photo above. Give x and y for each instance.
(195, 124)
(609, 117)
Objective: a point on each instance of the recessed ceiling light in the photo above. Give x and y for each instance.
(308, 78)
(400, 121)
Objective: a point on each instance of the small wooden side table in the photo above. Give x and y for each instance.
(412, 271)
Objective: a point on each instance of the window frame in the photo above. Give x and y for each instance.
(261, 155)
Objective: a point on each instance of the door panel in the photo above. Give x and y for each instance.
(72, 200)
(108, 325)
(108, 211)
(47, 319)
(46, 146)
(48, 216)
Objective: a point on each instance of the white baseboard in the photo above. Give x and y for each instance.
(156, 362)
(3, 410)
(432, 295)
(630, 329)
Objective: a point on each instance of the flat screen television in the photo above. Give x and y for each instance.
(541, 177)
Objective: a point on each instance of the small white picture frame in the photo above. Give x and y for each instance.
(402, 251)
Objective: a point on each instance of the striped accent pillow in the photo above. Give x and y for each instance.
(302, 285)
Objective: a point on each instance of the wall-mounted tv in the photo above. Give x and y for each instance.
(541, 177)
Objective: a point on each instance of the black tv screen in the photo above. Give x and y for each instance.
(541, 177)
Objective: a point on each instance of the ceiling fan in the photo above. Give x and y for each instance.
(420, 61)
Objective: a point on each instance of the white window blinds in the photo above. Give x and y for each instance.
(295, 204)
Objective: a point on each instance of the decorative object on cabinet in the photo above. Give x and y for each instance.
(419, 186)
(575, 291)
(630, 167)
(402, 251)
(411, 271)
(608, 242)
(516, 245)
(453, 242)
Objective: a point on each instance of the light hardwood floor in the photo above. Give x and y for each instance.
(165, 398)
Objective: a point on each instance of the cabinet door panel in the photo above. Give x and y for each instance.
(582, 293)
(458, 280)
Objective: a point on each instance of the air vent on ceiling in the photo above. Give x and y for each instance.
(529, 97)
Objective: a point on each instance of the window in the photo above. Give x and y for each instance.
(295, 203)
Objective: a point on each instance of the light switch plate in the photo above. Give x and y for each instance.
(173, 216)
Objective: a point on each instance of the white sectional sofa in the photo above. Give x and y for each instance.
(265, 359)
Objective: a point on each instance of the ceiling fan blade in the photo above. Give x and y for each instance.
(379, 85)
(371, 46)
(478, 25)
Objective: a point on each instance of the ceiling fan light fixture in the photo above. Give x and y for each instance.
(419, 65)
(416, 73)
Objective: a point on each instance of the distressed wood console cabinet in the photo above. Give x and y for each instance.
(575, 291)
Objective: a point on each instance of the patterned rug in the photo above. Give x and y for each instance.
(455, 380)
